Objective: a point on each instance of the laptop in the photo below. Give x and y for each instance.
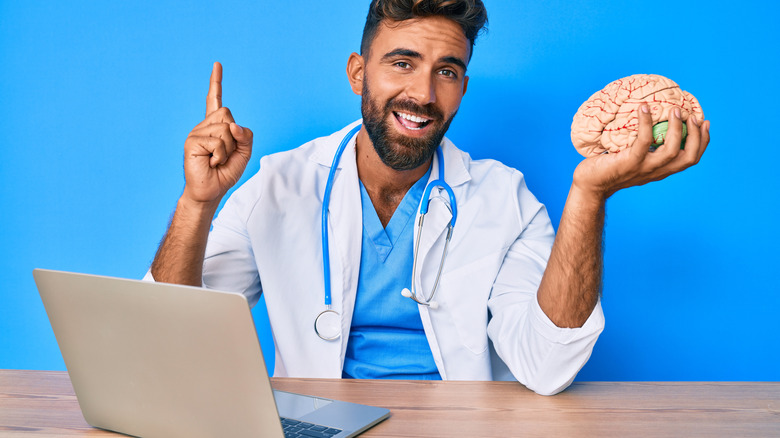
(161, 360)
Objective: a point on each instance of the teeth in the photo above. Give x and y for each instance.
(412, 118)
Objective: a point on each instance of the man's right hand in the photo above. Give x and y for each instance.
(215, 155)
(217, 150)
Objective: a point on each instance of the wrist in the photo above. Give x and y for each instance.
(586, 199)
(196, 208)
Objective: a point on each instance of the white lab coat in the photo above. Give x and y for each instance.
(267, 238)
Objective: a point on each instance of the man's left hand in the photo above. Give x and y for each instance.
(605, 174)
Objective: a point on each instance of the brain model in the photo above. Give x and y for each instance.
(609, 120)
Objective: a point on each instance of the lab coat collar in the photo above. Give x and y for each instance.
(324, 154)
(455, 171)
(347, 193)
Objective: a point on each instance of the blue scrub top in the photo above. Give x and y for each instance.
(387, 340)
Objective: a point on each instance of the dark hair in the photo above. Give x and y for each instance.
(470, 15)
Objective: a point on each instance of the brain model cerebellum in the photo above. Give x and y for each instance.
(609, 120)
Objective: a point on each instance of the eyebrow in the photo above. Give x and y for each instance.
(413, 54)
(454, 60)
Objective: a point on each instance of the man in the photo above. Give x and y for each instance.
(506, 305)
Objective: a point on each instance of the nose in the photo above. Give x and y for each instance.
(421, 89)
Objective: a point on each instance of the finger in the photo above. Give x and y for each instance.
(214, 98)
(644, 139)
(219, 153)
(210, 129)
(671, 146)
(243, 136)
(693, 144)
(217, 130)
(221, 115)
(211, 147)
(685, 158)
(705, 137)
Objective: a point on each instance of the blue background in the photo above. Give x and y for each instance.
(98, 97)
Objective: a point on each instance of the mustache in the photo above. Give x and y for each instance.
(428, 111)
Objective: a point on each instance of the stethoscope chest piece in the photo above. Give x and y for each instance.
(327, 325)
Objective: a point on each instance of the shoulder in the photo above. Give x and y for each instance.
(484, 174)
(316, 152)
(489, 180)
(295, 172)
(319, 151)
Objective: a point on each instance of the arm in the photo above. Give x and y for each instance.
(571, 283)
(537, 353)
(216, 153)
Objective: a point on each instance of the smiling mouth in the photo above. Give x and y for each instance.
(411, 121)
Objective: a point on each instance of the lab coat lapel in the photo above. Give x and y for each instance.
(345, 224)
(433, 236)
(344, 238)
(431, 245)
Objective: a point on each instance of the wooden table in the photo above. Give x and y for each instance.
(42, 404)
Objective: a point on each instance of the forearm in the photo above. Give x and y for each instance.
(571, 283)
(179, 258)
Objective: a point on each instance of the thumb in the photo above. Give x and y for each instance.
(243, 136)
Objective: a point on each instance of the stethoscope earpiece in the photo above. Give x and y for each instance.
(406, 292)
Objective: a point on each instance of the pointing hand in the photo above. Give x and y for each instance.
(217, 150)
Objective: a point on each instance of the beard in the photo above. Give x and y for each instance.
(396, 150)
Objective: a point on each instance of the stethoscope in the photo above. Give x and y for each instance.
(327, 324)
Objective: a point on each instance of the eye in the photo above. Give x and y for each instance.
(403, 65)
(448, 73)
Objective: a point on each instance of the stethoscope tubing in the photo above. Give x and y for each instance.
(424, 202)
(325, 204)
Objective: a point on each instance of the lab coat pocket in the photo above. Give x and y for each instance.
(463, 299)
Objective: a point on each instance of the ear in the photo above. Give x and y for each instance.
(355, 72)
(465, 85)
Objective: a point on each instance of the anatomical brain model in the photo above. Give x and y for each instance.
(608, 121)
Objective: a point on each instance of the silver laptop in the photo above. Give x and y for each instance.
(161, 360)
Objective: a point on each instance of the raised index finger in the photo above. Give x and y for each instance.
(214, 98)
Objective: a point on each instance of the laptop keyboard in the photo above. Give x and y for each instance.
(301, 429)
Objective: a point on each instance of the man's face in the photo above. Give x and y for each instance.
(414, 80)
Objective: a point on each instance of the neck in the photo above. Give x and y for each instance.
(385, 186)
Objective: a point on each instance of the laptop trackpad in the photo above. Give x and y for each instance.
(296, 406)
